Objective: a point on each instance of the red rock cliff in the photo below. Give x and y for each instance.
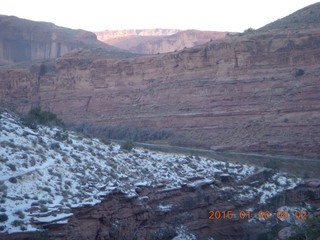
(242, 93)
(25, 40)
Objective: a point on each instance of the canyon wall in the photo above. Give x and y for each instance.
(253, 92)
(25, 40)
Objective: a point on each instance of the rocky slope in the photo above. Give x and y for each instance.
(80, 188)
(256, 92)
(25, 40)
(157, 40)
(306, 18)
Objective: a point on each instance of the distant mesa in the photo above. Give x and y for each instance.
(153, 41)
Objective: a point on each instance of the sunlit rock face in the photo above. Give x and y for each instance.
(153, 41)
(24, 40)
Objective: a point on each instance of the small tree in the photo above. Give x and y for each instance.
(38, 116)
(248, 31)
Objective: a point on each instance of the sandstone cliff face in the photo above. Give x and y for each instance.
(158, 40)
(243, 93)
(24, 40)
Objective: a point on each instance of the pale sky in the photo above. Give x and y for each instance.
(96, 15)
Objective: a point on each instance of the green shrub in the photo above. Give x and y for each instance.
(309, 230)
(47, 189)
(299, 72)
(17, 223)
(20, 214)
(43, 208)
(38, 116)
(127, 145)
(12, 167)
(61, 136)
(3, 160)
(3, 217)
(39, 236)
(13, 180)
(273, 164)
(3, 187)
(247, 31)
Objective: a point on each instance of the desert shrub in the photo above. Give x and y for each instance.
(105, 132)
(38, 116)
(47, 189)
(3, 217)
(8, 144)
(61, 136)
(248, 31)
(12, 167)
(2, 228)
(263, 236)
(13, 180)
(55, 146)
(299, 72)
(3, 187)
(127, 145)
(17, 223)
(3, 160)
(106, 141)
(273, 164)
(20, 214)
(309, 230)
(164, 233)
(35, 204)
(43, 208)
(43, 235)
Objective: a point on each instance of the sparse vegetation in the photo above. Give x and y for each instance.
(247, 31)
(17, 223)
(20, 214)
(299, 72)
(309, 230)
(40, 235)
(3, 217)
(38, 116)
(273, 164)
(13, 180)
(127, 145)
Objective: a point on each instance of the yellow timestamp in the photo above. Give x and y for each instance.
(214, 215)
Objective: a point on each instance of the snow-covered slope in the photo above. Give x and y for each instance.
(46, 172)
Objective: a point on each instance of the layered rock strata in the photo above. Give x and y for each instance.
(255, 92)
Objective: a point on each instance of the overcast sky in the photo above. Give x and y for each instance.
(94, 15)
